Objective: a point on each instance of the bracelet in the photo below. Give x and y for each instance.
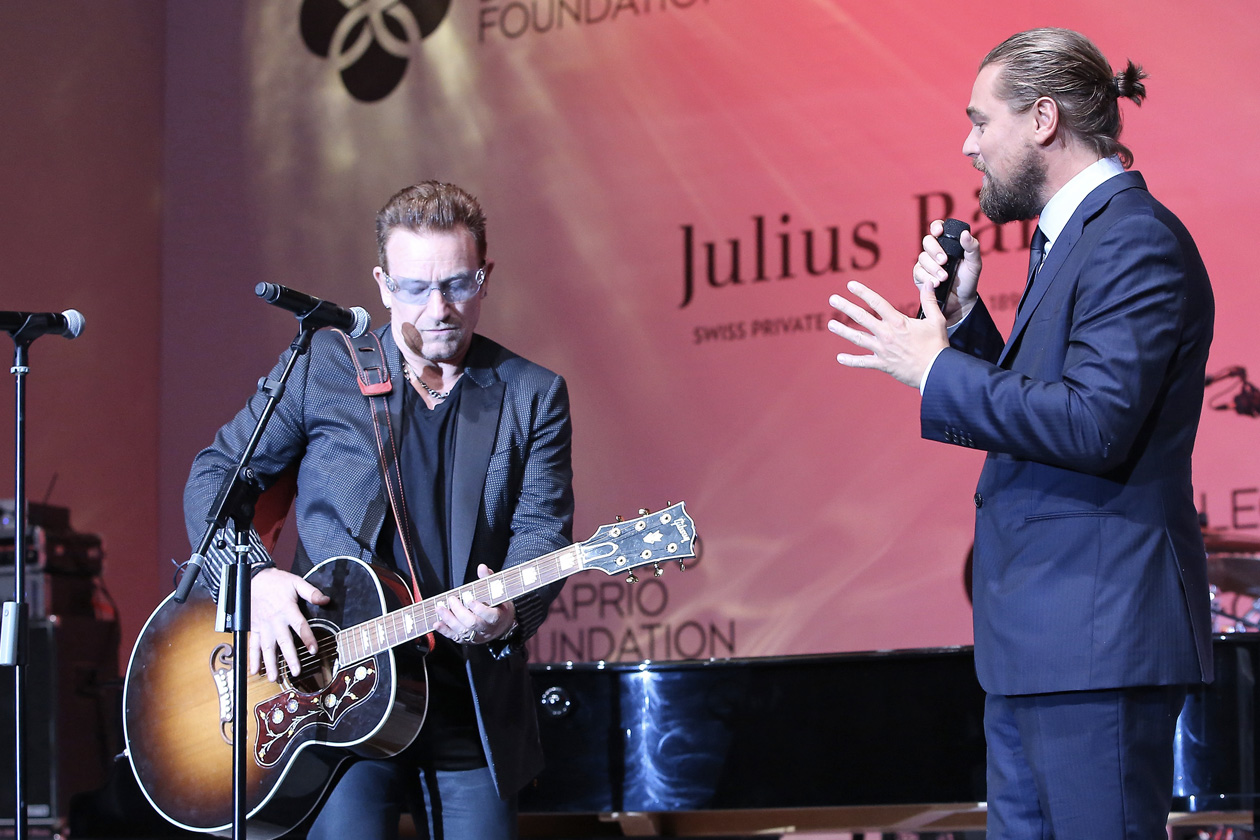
(255, 568)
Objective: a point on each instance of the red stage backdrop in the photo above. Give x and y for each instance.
(675, 187)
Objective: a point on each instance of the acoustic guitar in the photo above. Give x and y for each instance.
(349, 698)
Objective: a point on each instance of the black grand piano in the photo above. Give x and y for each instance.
(888, 740)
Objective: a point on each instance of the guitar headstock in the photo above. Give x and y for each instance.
(652, 538)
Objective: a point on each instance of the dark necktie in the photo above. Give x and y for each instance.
(1036, 252)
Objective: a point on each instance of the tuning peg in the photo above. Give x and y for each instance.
(644, 511)
(682, 567)
(669, 504)
(618, 518)
(657, 571)
(633, 578)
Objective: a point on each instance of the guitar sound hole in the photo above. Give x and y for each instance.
(317, 668)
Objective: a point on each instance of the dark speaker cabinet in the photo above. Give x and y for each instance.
(73, 726)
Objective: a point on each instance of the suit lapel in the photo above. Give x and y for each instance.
(478, 423)
(1062, 249)
(1045, 276)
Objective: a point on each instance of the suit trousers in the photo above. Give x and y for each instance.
(367, 802)
(1083, 765)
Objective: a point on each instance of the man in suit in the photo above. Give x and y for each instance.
(482, 441)
(1090, 590)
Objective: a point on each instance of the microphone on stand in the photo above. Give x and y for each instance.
(1247, 401)
(315, 313)
(1236, 370)
(31, 325)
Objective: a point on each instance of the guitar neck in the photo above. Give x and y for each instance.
(415, 620)
(615, 548)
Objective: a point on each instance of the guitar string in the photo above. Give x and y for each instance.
(389, 623)
(392, 625)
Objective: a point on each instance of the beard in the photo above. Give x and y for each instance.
(1019, 196)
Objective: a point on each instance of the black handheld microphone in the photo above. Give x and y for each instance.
(31, 325)
(315, 313)
(949, 240)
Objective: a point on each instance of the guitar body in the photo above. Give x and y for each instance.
(177, 706)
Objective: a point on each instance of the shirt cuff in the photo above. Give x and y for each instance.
(923, 381)
(949, 331)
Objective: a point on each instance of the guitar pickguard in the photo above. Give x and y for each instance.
(282, 717)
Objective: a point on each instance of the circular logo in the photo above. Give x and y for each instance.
(368, 40)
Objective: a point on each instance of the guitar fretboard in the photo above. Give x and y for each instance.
(411, 622)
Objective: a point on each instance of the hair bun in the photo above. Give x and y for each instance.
(1127, 83)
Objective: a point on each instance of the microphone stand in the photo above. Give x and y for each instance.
(14, 642)
(235, 503)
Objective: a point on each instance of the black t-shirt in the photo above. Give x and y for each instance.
(449, 738)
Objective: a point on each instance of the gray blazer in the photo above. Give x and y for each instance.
(512, 497)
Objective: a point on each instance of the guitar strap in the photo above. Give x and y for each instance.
(374, 383)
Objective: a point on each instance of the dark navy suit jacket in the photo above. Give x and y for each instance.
(512, 497)
(1089, 568)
